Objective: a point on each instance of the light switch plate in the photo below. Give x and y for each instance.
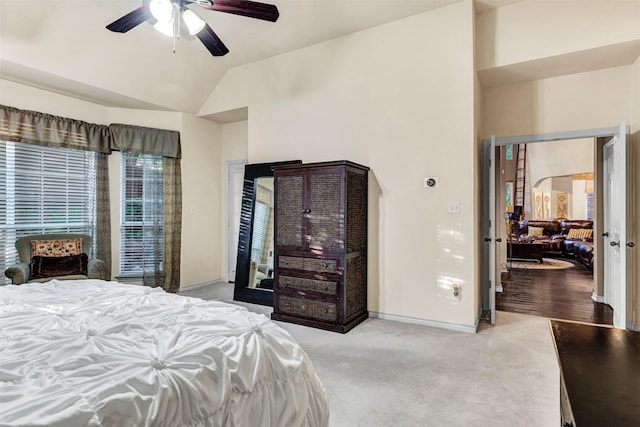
(453, 208)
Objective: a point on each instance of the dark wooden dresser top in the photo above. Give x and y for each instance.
(600, 367)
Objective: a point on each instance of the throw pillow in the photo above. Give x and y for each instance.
(536, 232)
(580, 233)
(52, 266)
(53, 248)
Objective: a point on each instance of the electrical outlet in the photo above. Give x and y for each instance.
(457, 291)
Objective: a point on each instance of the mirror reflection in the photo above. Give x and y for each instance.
(254, 264)
(261, 259)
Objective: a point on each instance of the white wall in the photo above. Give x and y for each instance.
(398, 98)
(534, 29)
(559, 158)
(201, 159)
(595, 99)
(29, 98)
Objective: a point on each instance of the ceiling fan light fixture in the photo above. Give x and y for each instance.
(165, 27)
(193, 22)
(162, 10)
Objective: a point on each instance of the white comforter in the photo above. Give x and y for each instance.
(95, 353)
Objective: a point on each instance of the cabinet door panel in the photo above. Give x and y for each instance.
(290, 205)
(325, 219)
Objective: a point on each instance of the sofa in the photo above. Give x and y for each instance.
(578, 242)
(560, 237)
(545, 232)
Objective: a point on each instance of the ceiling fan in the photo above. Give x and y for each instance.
(168, 16)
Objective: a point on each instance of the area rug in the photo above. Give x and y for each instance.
(547, 263)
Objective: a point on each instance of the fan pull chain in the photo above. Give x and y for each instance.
(176, 24)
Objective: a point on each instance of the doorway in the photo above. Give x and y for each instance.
(495, 228)
(234, 181)
(547, 191)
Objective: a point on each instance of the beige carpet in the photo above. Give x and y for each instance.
(386, 373)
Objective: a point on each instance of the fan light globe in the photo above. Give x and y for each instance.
(165, 28)
(193, 22)
(162, 10)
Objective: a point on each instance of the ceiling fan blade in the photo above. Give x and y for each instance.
(212, 42)
(251, 9)
(130, 20)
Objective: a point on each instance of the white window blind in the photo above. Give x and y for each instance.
(260, 224)
(45, 190)
(141, 229)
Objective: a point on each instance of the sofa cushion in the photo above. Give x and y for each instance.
(550, 227)
(567, 225)
(535, 232)
(580, 233)
(56, 248)
(52, 266)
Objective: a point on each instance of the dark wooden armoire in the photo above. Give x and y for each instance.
(321, 245)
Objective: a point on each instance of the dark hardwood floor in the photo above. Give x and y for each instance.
(555, 293)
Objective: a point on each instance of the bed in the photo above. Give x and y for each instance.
(98, 353)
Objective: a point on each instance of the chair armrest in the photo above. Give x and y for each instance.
(18, 273)
(96, 269)
(558, 237)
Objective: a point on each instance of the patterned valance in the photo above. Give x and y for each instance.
(52, 131)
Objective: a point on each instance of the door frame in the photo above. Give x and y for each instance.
(489, 216)
(231, 166)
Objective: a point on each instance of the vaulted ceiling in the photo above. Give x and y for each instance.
(63, 46)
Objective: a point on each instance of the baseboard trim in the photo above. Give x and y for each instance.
(470, 329)
(199, 285)
(597, 298)
(633, 327)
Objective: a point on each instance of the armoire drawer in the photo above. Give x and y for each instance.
(309, 264)
(320, 310)
(308, 285)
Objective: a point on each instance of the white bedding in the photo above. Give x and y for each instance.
(95, 353)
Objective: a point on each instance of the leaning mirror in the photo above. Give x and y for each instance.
(254, 267)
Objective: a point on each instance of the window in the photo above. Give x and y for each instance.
(46, 190)
(260, 225)
(141, 220)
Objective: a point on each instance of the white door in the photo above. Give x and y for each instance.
(615, 225)
(490, 225)
(235, 180)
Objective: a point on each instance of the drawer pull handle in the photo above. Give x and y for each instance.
(286, 305)
(326, 288)
(326, 311)
(306, 211)
(324, 264)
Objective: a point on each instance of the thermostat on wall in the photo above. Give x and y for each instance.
(431, 182)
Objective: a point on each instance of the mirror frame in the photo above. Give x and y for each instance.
(241, 291)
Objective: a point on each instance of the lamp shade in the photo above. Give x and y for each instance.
(193, 22)
(162, 10)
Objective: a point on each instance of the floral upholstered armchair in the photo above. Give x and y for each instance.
(54, 256)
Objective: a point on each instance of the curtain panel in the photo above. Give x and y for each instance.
(172, 213)
(33, 127)
(102, 227)
(165, 143)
